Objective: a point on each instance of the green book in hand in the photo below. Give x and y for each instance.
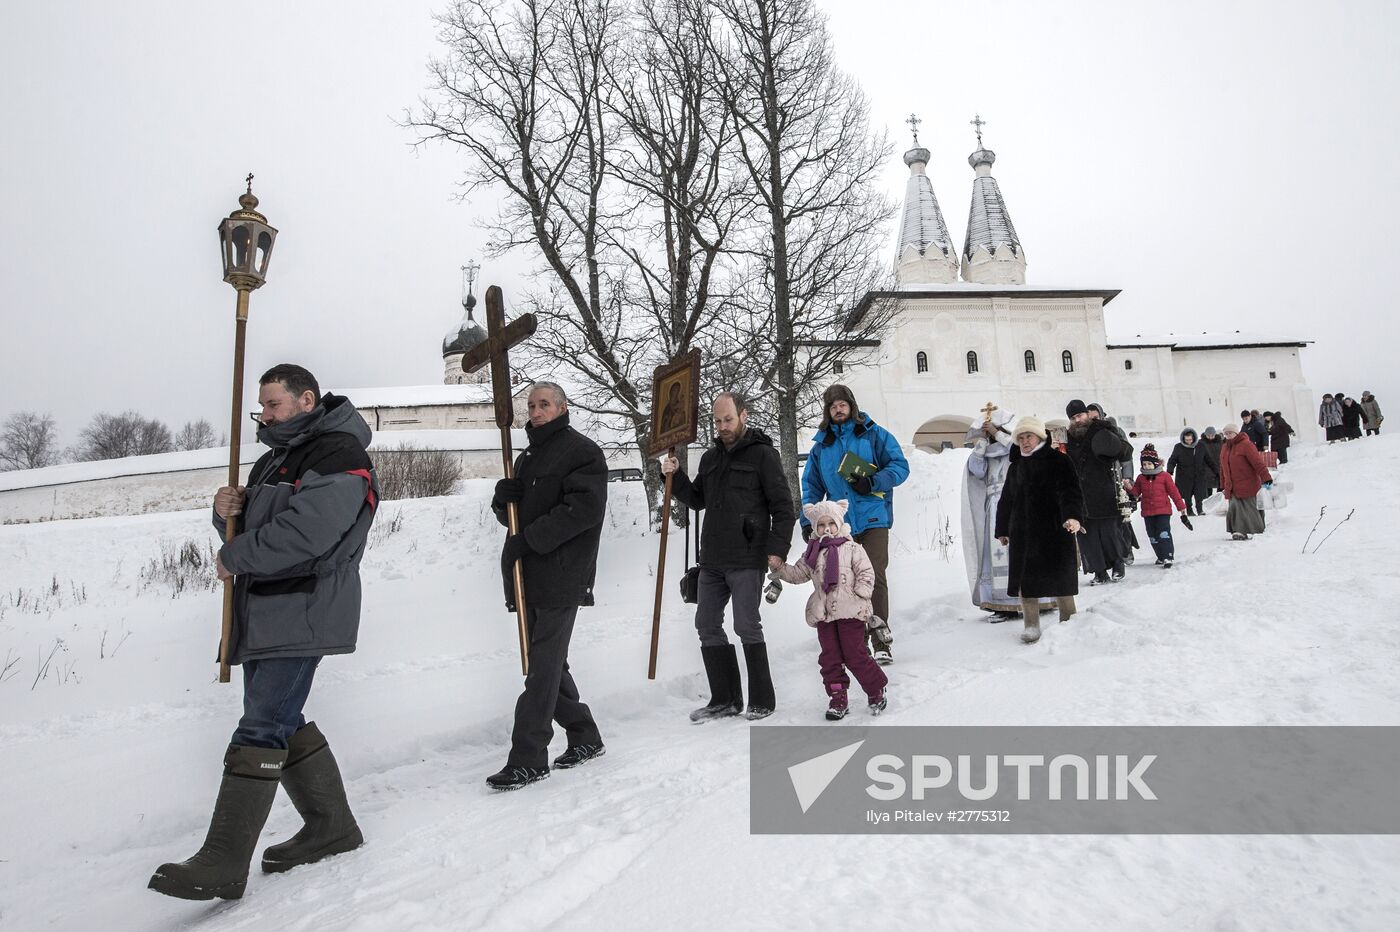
(853, 467)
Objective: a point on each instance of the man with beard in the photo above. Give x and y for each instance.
(1095, 448)
(847, 429)
(560, 485)
(303, 520)
(749, 515)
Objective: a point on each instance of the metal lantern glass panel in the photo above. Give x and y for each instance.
(246, 242)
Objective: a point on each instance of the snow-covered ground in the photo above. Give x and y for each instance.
(110, 761)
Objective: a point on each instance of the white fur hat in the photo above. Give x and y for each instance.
(1030, 424)
(835, 510)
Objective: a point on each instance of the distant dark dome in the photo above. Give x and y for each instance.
(467, 335)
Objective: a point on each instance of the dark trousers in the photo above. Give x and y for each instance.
(550, 694)
(274, 694)
(717, 586)
(1194, 501)
(1282, 455)
(843, 648)
(876, 542)
(1159, 534)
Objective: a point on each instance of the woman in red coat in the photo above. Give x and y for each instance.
(1242, 474)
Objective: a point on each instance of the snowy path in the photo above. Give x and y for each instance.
(112, 772)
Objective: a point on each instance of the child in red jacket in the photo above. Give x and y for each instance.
(1157, 493)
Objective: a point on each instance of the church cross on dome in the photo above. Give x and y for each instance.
(914, 122)
(977, 123)
(468, 279)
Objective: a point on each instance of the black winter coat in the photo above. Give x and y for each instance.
(1192, 470)
(1094, 455)
(561, 516)
(749, 512)
(1257, 432)
(1212, 450)
(1279, 434)
(1042, 492)
(1351, 418)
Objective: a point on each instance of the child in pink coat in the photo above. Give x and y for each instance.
(839, 607)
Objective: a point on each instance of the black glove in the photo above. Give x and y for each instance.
(1187, 521)
(861, 484)
(510, 491)
(806, 533)
(516, 547)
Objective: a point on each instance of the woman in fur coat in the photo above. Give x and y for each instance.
(1040, 512)
(839, 607)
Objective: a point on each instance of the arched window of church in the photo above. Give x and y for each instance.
(921, 361)
(837, 368)
(1067, 359)
(1030, 361)
(971, 362)
(1127, 364)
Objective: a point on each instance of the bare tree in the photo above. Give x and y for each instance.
(112, 436)
(197, 435)
(29, 440)
(604, 125)
(804, 137)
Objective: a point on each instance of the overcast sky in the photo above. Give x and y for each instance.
(1226, 164)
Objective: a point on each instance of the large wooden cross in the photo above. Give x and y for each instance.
(988, 412)
(495, 350)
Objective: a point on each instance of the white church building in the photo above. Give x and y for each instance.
(967, 330)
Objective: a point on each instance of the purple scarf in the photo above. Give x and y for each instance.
(832, 574)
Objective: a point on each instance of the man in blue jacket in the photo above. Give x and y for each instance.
(847, 429)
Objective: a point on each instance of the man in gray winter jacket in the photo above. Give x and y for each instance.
(303, 520)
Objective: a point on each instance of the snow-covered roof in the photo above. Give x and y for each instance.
(187, 460)
(419, 396)
(1207, 340)
(923, 225)
(910, 290)
(988, 222)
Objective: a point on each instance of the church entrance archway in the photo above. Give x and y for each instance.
(945, 432)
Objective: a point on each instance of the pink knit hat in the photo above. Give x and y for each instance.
(835, 510)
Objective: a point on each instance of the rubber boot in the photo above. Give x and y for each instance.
(726, 692)
(761, 699)
(220, 867)
(312, 781)
(1066, 603)
(1030, 610)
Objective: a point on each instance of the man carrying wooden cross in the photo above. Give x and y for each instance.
(560, 486)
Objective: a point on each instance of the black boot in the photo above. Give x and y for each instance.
(761, 700)
(726, 692)
(312, 781)
(220, 868)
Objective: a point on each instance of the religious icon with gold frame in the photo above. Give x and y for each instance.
(675, 404)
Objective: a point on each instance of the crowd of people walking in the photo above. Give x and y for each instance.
(1342, 417)
(1038, 512)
